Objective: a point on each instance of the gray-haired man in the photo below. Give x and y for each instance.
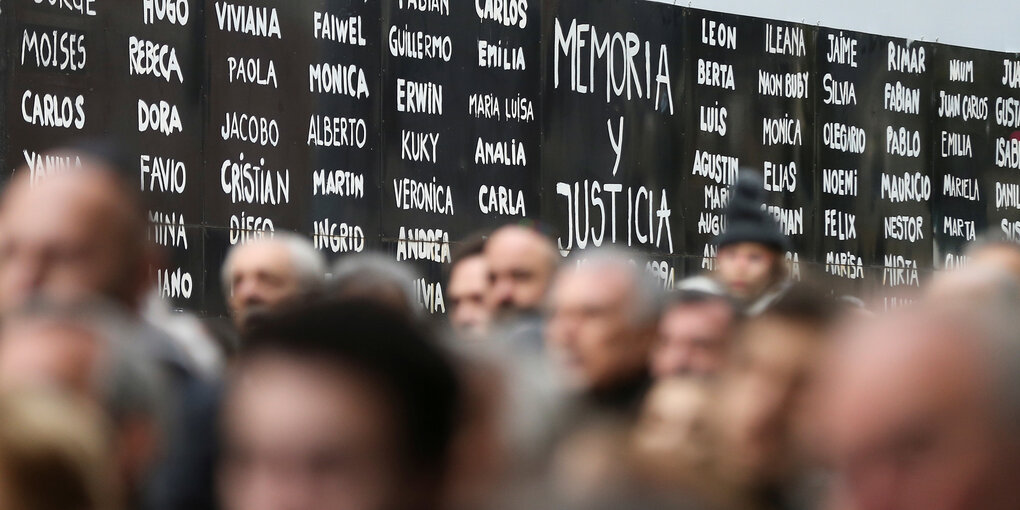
(261, 274)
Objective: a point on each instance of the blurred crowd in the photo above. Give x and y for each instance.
(559, 381)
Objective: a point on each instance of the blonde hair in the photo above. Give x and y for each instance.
(54, 454)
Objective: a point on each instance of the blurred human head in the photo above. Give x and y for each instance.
(377, 278)
(337, 405)
(54, 454)
(671, 434)
(748, 269)
(592, 464)
(467, 290)
(694, 335)
(761, 391)
(480, 453)
(74, 233)
(995, 254)
(603, 314)
(261, 274)
(973, 284)
(920, 410)
(89, 349)
(749, 257)
(521, 263)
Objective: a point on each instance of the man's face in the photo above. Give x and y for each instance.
(693, 339)
(761, 393)
(746, 269)
(672, 423)
(300, 435)
(521, 266)
(466, 293)
(591, 333)
(65, 238)
(262, 276)
(911, 428)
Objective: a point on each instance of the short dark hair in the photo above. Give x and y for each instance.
(472, 246)
(390, 350)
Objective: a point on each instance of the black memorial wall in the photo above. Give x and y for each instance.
(403, 126)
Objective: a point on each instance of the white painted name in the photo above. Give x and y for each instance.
(418, 146)
(340, 183)
(510, 13)
(844, 265)
(161, 117)
(501, 200)
(842, 50)
(712, 119)
(904, 59)
(841, 137)
(251, 71)
(959, 227)
(788, 85)
(249, 182)
(1007, 153)
(419, 97)
(430, 244)
(501, 152)
(956, 145)
(840, 225)
(960, 187)
(839, 182)
(163, 175)
(52, 110)
(175, 12)
(327, 131)
(423, 196)
(965, 106)
(1007, 112)
(904, 228)
(339, 79)
(159, 60)
(59, 50)
(248, 19)
(497, 56)
(343, 30)
(717, 167)
(909, 187)
(419, 45)
(715, 33)
(783, 40)
(328, 235)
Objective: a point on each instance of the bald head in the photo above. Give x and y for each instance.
(521, 265)
(995, 254)
(912, 413)
(974, 284)
(72, 234)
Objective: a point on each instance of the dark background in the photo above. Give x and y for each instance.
(567, 141)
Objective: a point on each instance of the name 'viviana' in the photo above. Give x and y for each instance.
(628, 64)
(248, 19)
